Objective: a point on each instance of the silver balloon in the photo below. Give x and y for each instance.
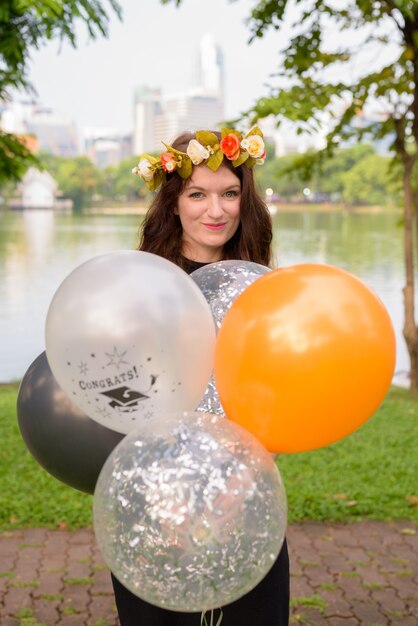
(221, 283)
(129, 335)
(190, 513)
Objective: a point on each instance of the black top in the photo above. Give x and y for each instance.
(266, 605)
(191, 266)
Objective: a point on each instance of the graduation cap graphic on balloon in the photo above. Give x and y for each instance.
(126, 400)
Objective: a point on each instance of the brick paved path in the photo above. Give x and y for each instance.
(342, 575)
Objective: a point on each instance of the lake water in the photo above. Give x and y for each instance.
(38, 249)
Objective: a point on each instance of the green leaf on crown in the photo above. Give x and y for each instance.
(250, 162)
(186, 168)
(173, 150)
(254, 131)
(215, 160)
(230, 131)
(244, 156)
(159, 179)
(206, 138)
(149, 158)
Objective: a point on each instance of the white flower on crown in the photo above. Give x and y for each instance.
(170, 166)
(197, 152)
(254, 145)
(144, 169)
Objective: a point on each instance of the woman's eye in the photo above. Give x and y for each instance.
(196, 194)
(231, 194)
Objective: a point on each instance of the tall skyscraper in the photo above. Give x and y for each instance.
(147, 106)
(210, 66)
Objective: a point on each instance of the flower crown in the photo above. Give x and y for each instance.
(206, 149)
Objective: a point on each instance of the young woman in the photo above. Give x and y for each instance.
(206, 210)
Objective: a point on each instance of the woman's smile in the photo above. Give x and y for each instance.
(218, 226)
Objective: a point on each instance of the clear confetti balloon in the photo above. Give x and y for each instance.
(190, 513)
(221, 283)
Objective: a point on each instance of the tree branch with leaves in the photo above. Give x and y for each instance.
(26, 25)
(316, 89)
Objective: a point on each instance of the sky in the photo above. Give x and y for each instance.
(154, 45)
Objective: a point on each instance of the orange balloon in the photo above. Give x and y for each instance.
(304, 356)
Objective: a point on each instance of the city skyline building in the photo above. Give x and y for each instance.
(106, 146)
(54, 132)
(210, 72)
(15, 114)
(191, 111)
(147, 106)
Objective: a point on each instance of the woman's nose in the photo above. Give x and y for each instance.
(215, 207)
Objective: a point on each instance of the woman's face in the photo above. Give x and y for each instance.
(209, 211)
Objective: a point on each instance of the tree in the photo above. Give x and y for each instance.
(78, 179)
(331, 175)
(354, 175)
(368, 182)
(314, 80)
(278, 175)
(120, 184)
(359, 175)
(27, 24)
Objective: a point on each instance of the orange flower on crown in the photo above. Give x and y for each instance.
(230, 146)
(168, 162)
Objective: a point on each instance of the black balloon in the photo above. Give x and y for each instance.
(68, 444)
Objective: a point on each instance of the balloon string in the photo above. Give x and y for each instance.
(204, 621)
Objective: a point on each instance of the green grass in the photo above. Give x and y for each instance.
(78, 581)
(26, 618)
(315, 601)
(329, 587)
(32, 584)
(370, 474)
(69, 610)
(29, 496)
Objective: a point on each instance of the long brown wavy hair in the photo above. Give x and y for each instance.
(161, 231)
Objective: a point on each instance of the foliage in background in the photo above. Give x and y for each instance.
(119, 184)
(77, 178)
(367, 182)
(26, 25)
(15, 158)
(354, 175)
(370, 474)
(321, 85)
(84, 183)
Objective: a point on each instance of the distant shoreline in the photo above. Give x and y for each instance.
(276, 208)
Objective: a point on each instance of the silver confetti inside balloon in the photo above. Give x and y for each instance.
(190, 512)
(221, 283)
